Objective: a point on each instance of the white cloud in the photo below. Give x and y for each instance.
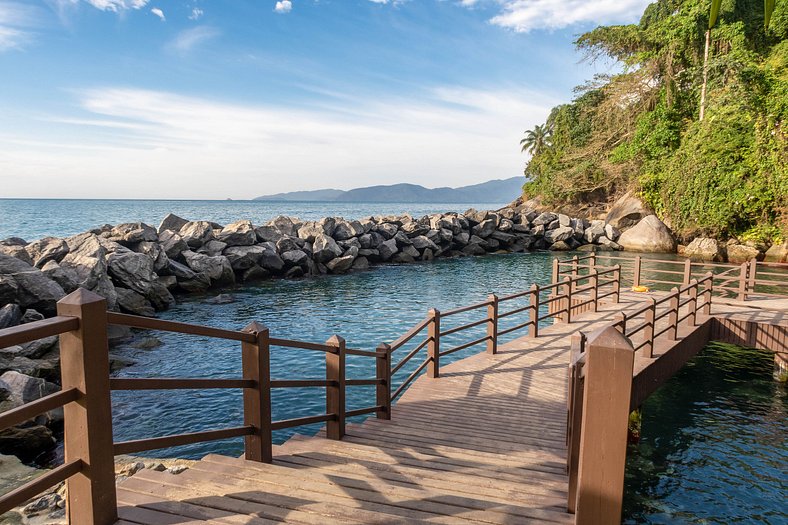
(158, 12)
(196, 13)
(159, 144)
(527, 15)
(16, 24)
(283, 6)
(188, 39)
(117, 5)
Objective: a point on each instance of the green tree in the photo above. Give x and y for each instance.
(536, 140)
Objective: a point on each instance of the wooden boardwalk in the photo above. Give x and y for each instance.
(484, 443)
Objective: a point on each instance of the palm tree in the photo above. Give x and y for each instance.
(768, 9)
(536, 140)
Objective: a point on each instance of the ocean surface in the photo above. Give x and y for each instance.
(32, 219)
(714, 444)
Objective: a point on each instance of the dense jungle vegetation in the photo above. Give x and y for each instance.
(725, 174)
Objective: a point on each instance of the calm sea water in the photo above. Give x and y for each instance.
(714, 444)
(32, 219)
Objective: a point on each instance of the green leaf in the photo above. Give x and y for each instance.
(768, 9)
(715, 11)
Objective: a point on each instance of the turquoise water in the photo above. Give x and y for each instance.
(365, 308)
(714, 444)
(32, 219)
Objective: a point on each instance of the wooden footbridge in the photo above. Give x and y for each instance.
(529, 431)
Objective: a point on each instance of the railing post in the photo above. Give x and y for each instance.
(693, 303)
(568, 284)
(84, 365)
(617, 283)
(621, 322)
(648, 331)
(592, 260)
(574, 417)
(574, 272)
(687, 272)
(434, 346)
(533, 300)
(492, 324)
(556, 270)
(707, 288)
(594, 292)
(673, 317)
(753, 263)
(335, 395)
(742, 292)
(383, 375)
(605, 418)
(636, 272)
(256, 363)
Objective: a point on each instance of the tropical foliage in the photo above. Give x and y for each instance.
(640, 129)
(536, 140)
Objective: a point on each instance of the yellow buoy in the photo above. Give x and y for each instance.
(640, 288)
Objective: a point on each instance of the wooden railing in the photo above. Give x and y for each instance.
(745, 281)
(88, 468)
(600, 384)
(558, 301)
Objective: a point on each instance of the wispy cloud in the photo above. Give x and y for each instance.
(188, 39)
(527, 15)
(154, 142)
(283, 6)
(196, 13)
(158, 12)
(117, 5)
(17, 24)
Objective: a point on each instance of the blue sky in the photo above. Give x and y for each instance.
(216, 99)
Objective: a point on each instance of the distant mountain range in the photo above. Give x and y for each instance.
(492, 191)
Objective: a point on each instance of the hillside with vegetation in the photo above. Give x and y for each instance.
(717, 168)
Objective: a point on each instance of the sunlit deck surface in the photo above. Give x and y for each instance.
(484, 443)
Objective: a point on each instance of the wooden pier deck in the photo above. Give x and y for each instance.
(484, 443)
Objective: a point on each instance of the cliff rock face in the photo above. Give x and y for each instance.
(627, 211)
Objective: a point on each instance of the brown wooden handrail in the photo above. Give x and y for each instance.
(33, 409)
(24, 333)
(140, 445)
(32, 488)
(407, 336)
(463, 309)
(150, 323)
(166, 383)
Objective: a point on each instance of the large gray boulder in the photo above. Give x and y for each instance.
(544, 219)
(627, 211)
(421, 243)
(271, 261)
(244, 257)
(705, 249)
(47, 249)
(212, 247)
(268, 233)
(131, 302)
(8, 289)
(10, 315)
(325, 248)
(388, 249)
(340, 264)
(132, 270)
(648, 235)
(346, 229)
(739, 253)
(17, 252)
(133, 232)
(594, 232)
(484, 229)
(10, 265)
(172, 244)
(171, 223)
(216, 268)
(196, 233)
(295, 258)
(36, 290)
(387, 229)
(562, 233)
(777, 253)
(24, 389)
(239, 233)
(87, 260)
(156, 253)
